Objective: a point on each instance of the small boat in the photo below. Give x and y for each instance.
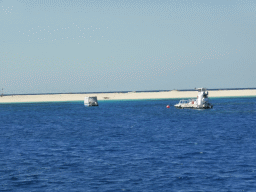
(90, 101)
(200, 103)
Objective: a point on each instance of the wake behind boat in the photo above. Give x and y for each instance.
(200, 103)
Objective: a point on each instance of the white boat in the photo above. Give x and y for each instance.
(200, 103)
(90, 101)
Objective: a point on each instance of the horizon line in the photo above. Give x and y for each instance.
(215, 89)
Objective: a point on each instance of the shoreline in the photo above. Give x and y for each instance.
(174, 94)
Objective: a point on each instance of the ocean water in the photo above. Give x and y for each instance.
(128, 146)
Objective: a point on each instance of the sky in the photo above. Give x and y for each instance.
(68, 46)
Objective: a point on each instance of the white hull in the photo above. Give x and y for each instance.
(193, 106)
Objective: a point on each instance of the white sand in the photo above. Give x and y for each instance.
(122, 96)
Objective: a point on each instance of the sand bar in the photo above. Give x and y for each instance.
(123, 96)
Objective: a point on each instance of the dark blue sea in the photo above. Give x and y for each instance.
(128, 146)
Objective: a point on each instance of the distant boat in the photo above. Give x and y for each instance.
(90, 101)
(200, 103)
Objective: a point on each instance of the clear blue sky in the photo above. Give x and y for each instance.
(52, 46)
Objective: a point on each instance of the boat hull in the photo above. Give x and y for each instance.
(189, 106)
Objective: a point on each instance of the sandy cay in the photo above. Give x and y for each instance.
(124, 96)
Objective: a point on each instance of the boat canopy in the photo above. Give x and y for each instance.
(201, 89)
